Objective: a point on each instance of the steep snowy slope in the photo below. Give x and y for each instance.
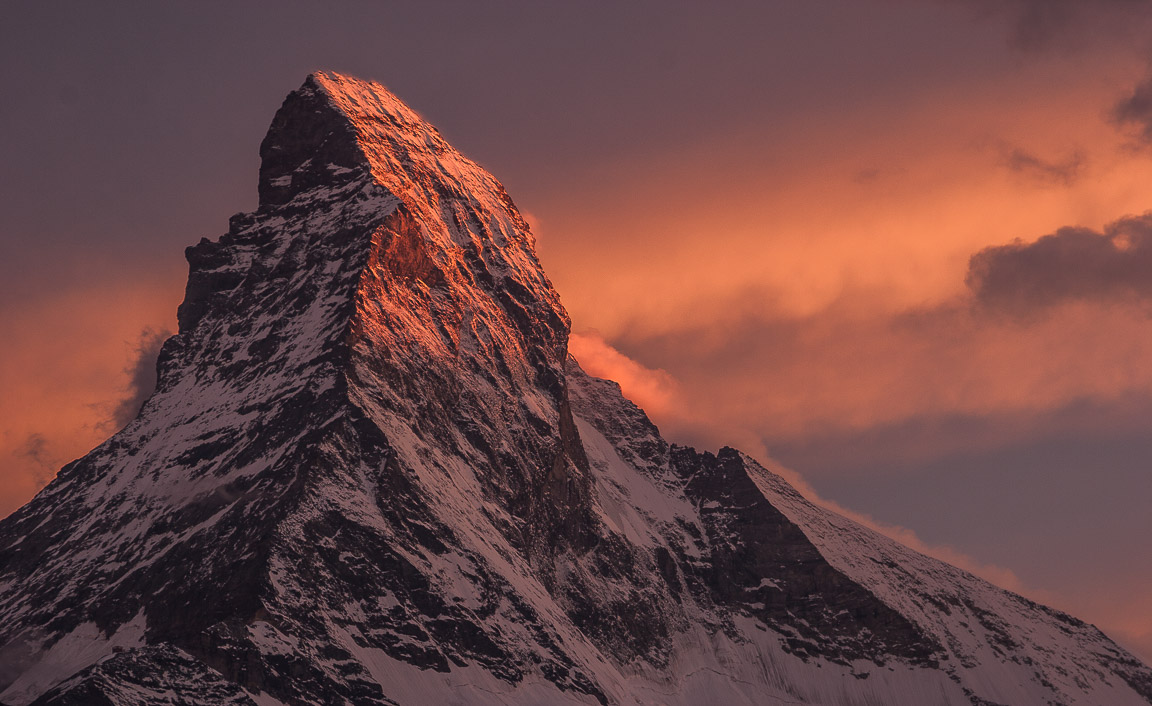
(371, 474)
(816, 579)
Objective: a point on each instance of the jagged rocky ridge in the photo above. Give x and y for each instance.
(371, 474)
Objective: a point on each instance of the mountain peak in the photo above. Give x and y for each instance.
(337, 128)
(371, 474)
(359, 99)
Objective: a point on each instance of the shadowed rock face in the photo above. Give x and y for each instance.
(762, 562)
(371, 474)
(310, 145)
(146, 675)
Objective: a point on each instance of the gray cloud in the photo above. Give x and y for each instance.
(143, 376)
(44, 462)
(1037, 25)
(1135, 111)
(35, 447)
(1040, 22)
(1064, 172)
(1070, 264)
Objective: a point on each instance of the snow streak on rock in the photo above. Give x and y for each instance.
(371, 474)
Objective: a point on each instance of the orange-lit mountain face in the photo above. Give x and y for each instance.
(372, 474)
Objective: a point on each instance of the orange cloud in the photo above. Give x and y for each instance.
(775, 218)
(654, 391)
(65, 368)
(846, 369)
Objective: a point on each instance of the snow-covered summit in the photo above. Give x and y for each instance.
(406, 154)
(338, 125)
(371, 474)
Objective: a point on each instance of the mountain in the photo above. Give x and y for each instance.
(372, 474)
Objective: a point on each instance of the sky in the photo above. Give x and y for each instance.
(900, 250)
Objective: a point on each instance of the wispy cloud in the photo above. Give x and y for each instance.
(1062, 172)
(44, 462)
(655, 391)
(141, 376)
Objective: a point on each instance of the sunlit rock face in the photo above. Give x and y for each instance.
(371, 474)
